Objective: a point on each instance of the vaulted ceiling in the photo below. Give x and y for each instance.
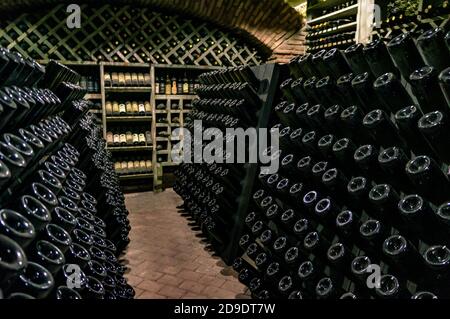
(272, 24)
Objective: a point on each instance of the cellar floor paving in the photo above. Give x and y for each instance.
(167, 257)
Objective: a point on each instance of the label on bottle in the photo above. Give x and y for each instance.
(185, 87)
(141, 108)
(122, 108)
(116, 139)
(174, 88)
(123, 139)
(168, 89)
(135, 138)
(157, 88)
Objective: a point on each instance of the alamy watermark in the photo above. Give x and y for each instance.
(74, 277)
(232, 145)
(73, 21)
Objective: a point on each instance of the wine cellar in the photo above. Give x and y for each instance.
(211, 149)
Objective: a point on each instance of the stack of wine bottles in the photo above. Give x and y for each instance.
(63, 222)
(228, 98)
(360, 206)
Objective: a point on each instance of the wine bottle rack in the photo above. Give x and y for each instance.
(229, 249)
(363, 183)
(124, 34)
(56, 208)
(335, 23)
(416, 19)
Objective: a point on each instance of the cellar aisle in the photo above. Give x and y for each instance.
(167, 259)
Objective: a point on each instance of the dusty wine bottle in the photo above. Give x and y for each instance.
(344, 85)
(425, 173)
(434, 51)
(355, 58)
(335, 61)
(405, 54)
(425, 85)
(378, 58)
(392, 92)
(407, 119)
(362, 84)
(444, 79)
(434, 126)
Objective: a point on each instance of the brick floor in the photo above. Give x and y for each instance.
(166, 257)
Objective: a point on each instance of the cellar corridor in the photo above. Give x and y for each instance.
(167, 259)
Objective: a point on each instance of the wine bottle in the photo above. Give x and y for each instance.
(378, 58)
(391, 288)
(347, 226)
(437, 261)
(366, 159)
(406, 120)
(336, 63)
(344, 85)
(401, 254)
(434, 126)
(319, 64)
(382, 129)
(306, 66)
(328, 92)
(373, 233)
(384, 199)
(310, 90)
(424, 172)
(298, 91)
(425, 85)
(393, 161)
(444, 79)
(433, 48)
(405, 54)
(392, 92)
(356, 59)
(368, 98)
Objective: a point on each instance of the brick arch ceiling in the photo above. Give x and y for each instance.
(272, 24)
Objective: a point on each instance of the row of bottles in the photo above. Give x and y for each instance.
(122, 136)
(363, 182)
(173, 85)
(118, 79)
(335, 7)
(316, 30)
(133, 165)
(210, 191)
(57, 215)
(334, 40)
(128, 108)
(90, 83)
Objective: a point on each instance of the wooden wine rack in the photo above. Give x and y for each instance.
(124, 34)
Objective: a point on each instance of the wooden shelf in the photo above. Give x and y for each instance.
(162, 139)
(162, 124)
(93, 111)
(175, 96)
(353, 9)
(128, 89)
(161, 112)
(128, 118)
(129, 148)
(93, 96)
(330, 31)
(169, 164)
(136, 176)
(163, 152)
